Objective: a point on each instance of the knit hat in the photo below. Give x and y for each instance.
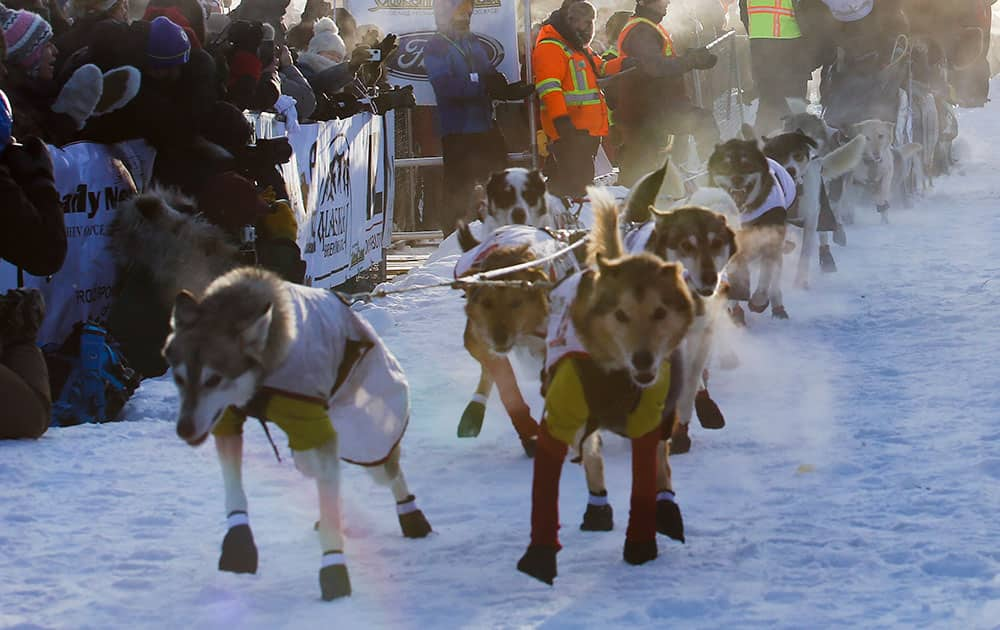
(6, 121)
(26, 34)
(326, 38)
(168, 44)
(850, 10)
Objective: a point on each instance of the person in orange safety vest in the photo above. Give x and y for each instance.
(574, 113)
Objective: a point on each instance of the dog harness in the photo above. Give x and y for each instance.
(782, 194)
(339, 379)
(540, 243)
(579, 395)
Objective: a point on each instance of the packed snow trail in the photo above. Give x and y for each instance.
(853, 486)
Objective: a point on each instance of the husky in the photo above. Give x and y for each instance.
(254, 345)
(518, 196)
(611, 363)
(812, 211)
(502, 320)
(883, 166)
(702, 241)
(763, 191)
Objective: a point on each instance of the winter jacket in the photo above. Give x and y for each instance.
(294, 84)
(458, 69)
(31, 100)
(647, 92)
(566, 75)
(34, 235)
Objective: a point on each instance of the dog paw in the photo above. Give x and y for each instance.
(679, 440)
(472, 420)
(539, 561)
(529, 444)
(826, 262)
(414, 524)
(334, 582)
(758, 307)
(709, 414)
(640, 552)
(668, 519)
(738, 316)
(779, 312)
(598, 518)
(239, 553)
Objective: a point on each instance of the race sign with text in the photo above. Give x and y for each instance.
(494, 22)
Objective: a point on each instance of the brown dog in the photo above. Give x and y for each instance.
(611, 364)
(502, 319)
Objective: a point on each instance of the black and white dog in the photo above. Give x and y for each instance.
(518, 196)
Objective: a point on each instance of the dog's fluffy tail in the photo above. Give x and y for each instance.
(605, 239)
(843, 159)
(465, 238)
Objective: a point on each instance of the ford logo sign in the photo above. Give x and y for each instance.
(408, 62)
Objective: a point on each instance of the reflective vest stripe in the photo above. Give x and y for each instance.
(774, 16)
(547, 86)
(668, 44)
(578, 76)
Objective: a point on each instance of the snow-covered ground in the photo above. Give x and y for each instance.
(855, 484)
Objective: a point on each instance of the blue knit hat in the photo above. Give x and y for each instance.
(6, 121)
(168, 44)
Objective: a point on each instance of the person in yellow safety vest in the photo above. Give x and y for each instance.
(574, 114)
(779, 58)
(650, 99)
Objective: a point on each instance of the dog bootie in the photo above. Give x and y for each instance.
(883, 210)
(758, 307)
(239, 553)
(334, 582)
(840, 236)
(668, 515)
(709, 414)
(539, 561)
(779, 312)
(826, 262)
(640, 552)
(412, 521)
(472, 419)
(529, 444)
(679, 440)
(738, 316)
(599, 516)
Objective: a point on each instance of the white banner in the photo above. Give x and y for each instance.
(90, 179)
(340, 184)
(494, 22)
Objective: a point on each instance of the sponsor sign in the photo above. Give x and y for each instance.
(494, 22)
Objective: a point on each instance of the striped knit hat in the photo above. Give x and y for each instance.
(26, 34)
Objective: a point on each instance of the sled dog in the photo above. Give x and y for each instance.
(763, 191)
(883, 165)
(505, 319)
(611, 364)
(812, 212)
(518, 196)
(702, 241)
(254, 345)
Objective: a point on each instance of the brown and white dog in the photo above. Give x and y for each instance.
(613, 333)
(702, 241)
(506, 319)
(763, 191)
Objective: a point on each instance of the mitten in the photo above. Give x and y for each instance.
(29, 161)
(701, 59)
(80, 95)
(285, 105)
(120, 85)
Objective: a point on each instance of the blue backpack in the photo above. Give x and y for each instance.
(90, 379)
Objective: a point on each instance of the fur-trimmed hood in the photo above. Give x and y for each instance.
(314, 63)
(161, 232)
